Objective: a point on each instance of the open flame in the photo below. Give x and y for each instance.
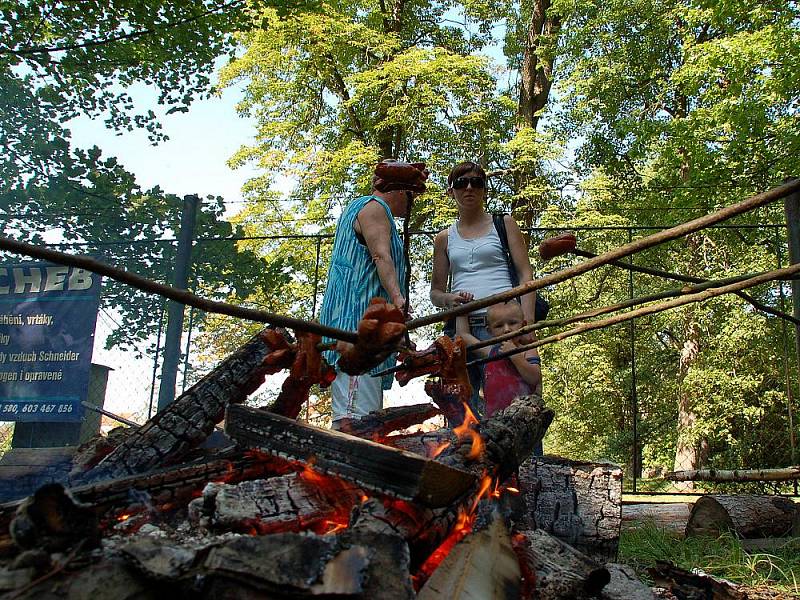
(465, 430)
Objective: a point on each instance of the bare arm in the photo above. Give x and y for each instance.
(441, 270)
(531, 374)
(373, 224)
(518, 248)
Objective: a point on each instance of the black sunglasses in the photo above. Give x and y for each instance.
(477, 183)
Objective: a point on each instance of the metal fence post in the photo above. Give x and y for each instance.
(635, 463)
(172, 339)
(791, 206)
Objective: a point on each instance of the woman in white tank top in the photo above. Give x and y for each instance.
(470, 251)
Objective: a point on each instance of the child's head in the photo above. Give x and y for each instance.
(505, 318)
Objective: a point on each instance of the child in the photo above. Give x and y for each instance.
(507, 378)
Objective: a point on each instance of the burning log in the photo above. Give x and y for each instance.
(372, 466)
(188, 421)
(170, 487)
(492, 450)
(293, 502)
(746, 516)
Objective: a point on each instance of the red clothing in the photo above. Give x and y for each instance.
(503, 383)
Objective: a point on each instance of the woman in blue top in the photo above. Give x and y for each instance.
(470, 253)
(367, 262)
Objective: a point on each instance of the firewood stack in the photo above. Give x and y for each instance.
(289, 510)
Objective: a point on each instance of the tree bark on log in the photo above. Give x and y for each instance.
(578, 502)
(740, 475)
(745, 516)
(562, 572)
(190, 419)
(671, 516)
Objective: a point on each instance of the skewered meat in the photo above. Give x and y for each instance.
(380, 330)
(556, 246)
(308, 368)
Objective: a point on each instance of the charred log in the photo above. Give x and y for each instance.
(188, 421)
(370, 465)
(562, 572)
(381, 423)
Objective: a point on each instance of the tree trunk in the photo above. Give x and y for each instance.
(687, 452)
(536, 80)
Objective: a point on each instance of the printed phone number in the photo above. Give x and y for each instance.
(36, 408)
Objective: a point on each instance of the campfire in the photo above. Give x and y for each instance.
(289, 510)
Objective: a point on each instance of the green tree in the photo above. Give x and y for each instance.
(59, 60)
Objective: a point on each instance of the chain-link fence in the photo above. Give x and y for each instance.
(708, 385)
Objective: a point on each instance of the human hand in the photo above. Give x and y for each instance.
(399, 301)
(457, 298)
(508, 346)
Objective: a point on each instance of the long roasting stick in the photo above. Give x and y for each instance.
(688, 279)
(603, 310)
(176, 294)
(595, 312)
(648, 310)
(621, 252)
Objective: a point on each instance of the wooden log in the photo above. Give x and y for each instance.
(744, 515)
(502, 442)
(739, 475)
(578, 502)
(167, 437)
(671, 516)
(371, 465)
(562, 572)
(173, 486)
(381, 423)
(293, 502)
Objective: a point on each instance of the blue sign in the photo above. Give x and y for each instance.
(47, 318)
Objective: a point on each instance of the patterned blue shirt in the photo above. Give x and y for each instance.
(353, 278)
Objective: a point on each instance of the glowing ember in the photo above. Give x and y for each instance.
(123, 518)
(465, 430)
(459, 532)
(512, 490)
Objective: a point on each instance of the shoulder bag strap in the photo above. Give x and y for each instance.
(500, 226)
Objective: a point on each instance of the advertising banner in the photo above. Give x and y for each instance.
(47, 318)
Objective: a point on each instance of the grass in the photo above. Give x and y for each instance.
(778, 569)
